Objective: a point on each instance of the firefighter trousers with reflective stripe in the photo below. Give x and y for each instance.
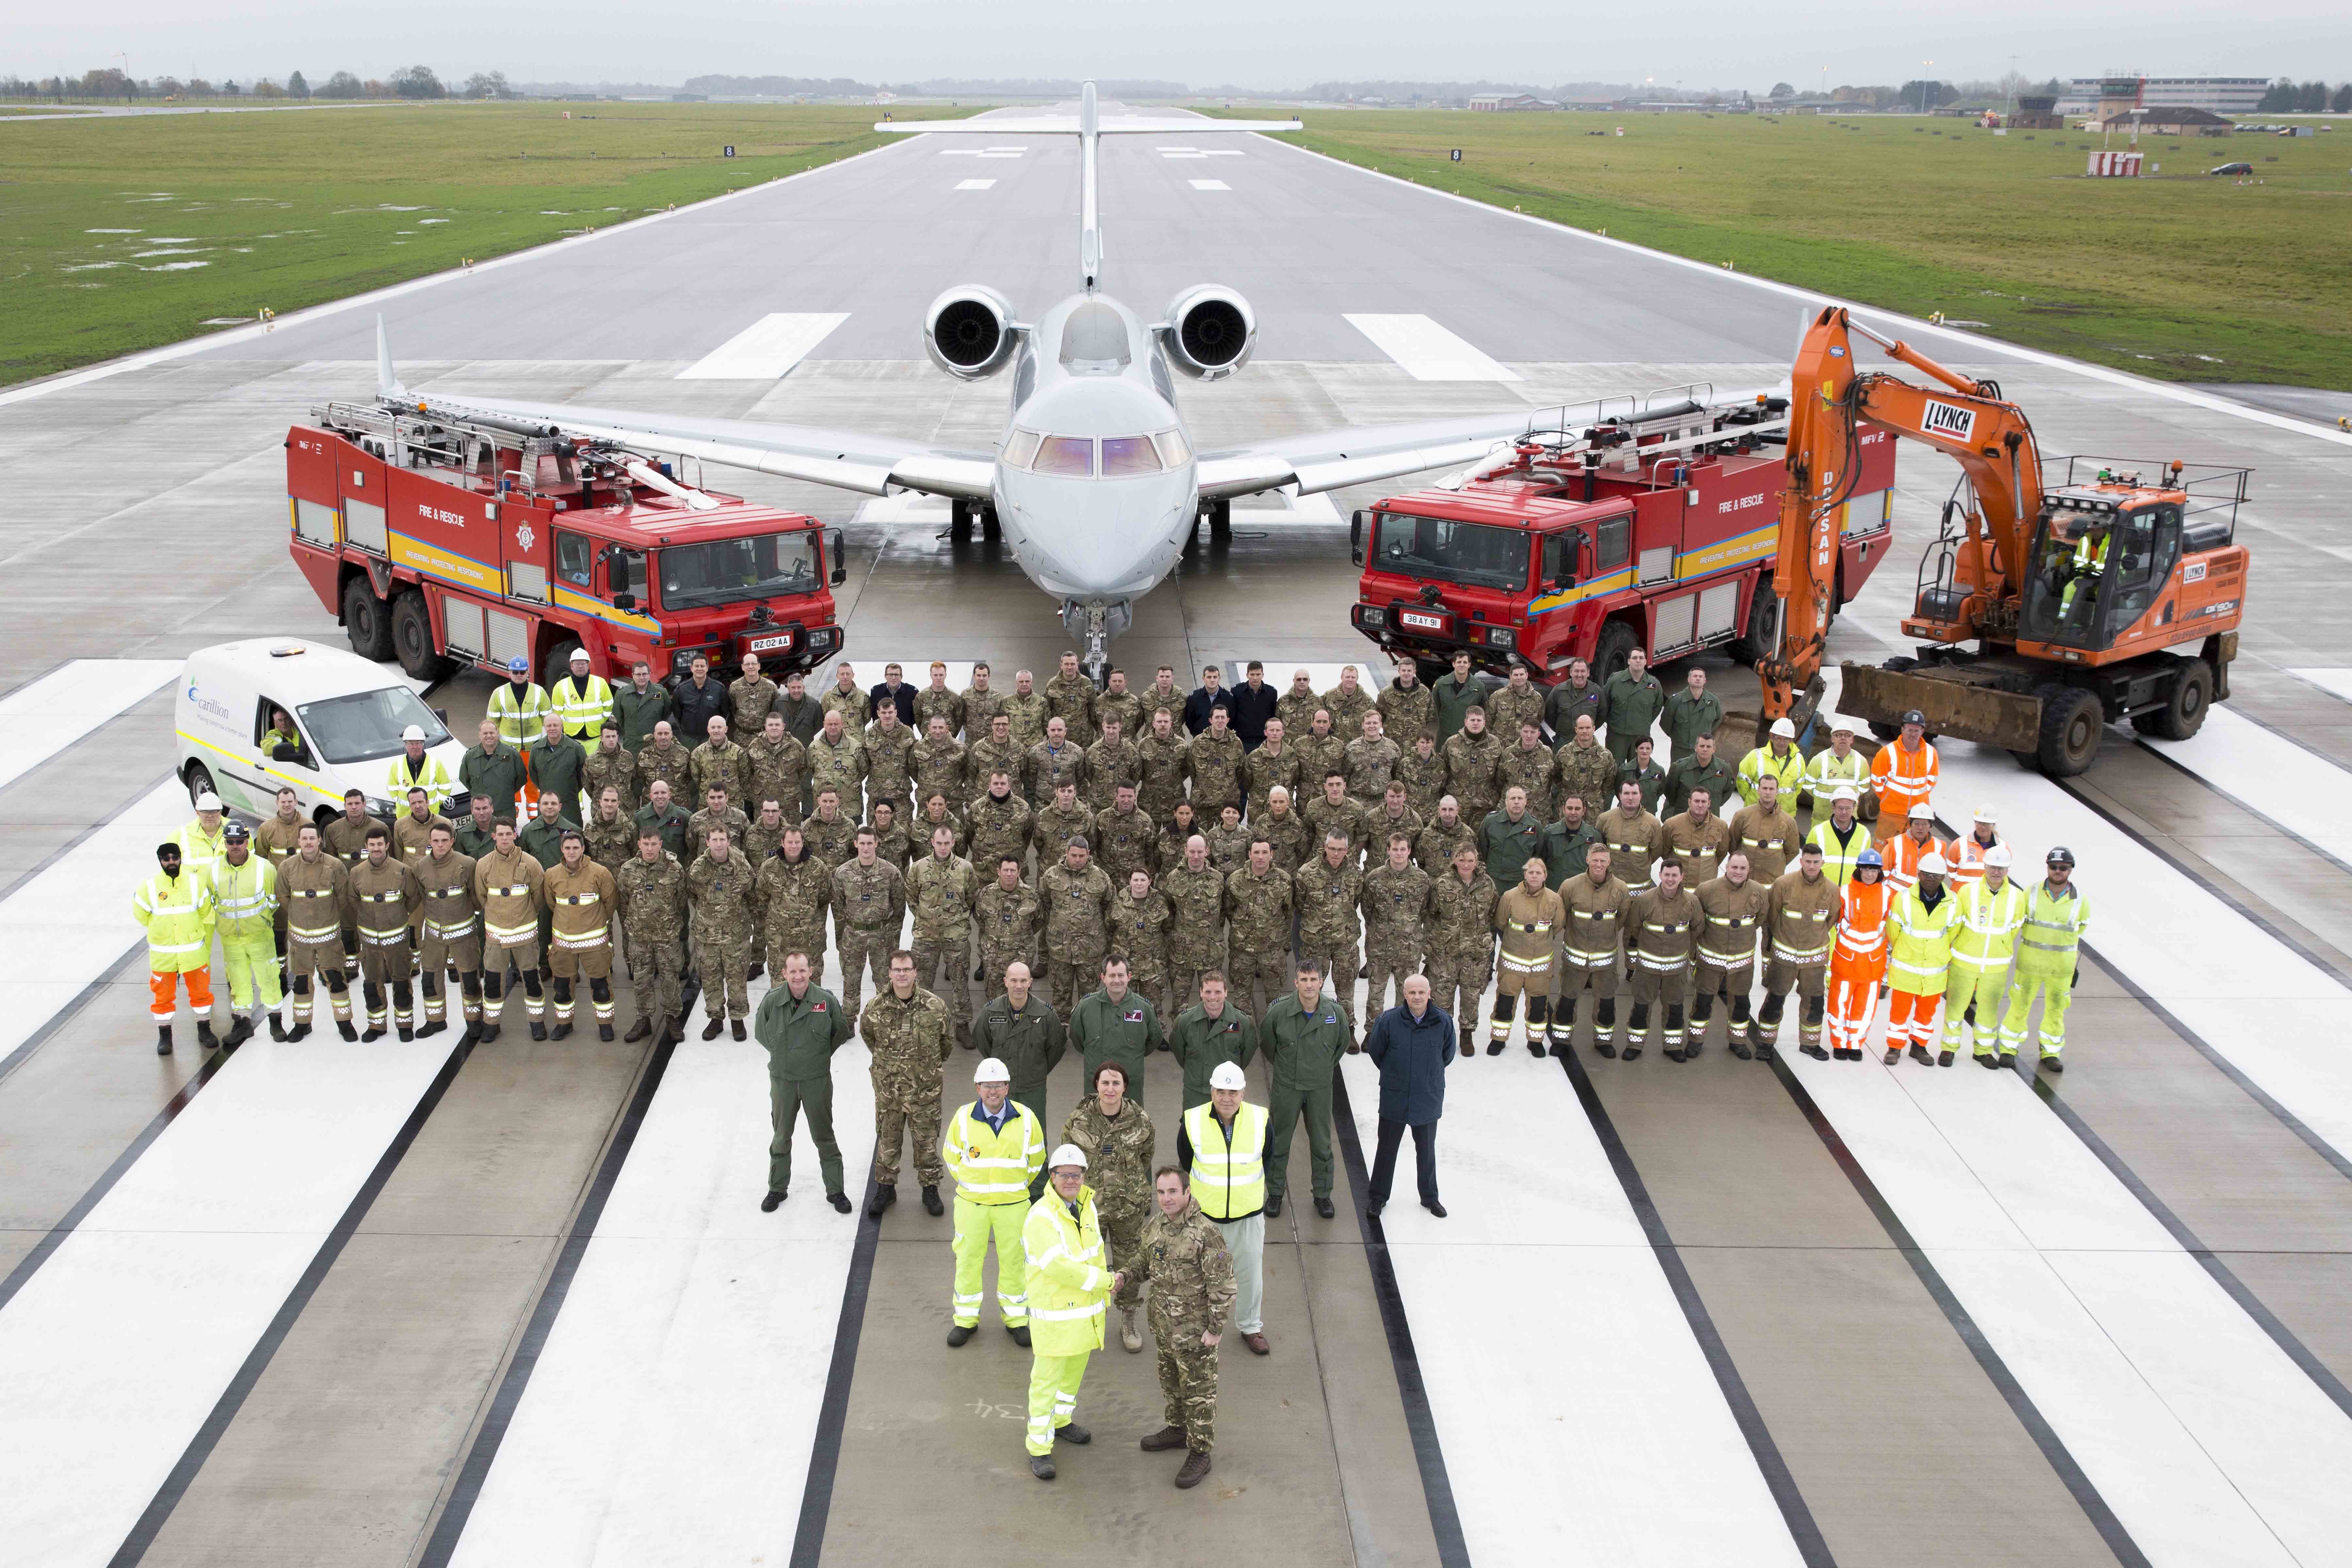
(1053, 1391)
(976, 1225)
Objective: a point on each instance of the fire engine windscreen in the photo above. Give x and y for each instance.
(367, 724)
(725, 570)
(1470, 552)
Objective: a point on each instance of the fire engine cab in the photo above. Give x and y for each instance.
(1654, 526)
(452, 543)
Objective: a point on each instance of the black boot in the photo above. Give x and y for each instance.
(432, 1027)
(204, 1035)
(163, 1040)
(960, 1335)
(637, 1031)
(839, 1201)
(604, 1031)
(344, 1027)
(735, 1026)
(538, 1029)
(931, 1205)
(238, 1033)
(774, 1198)
(371, 1033)
(884, 1194)
(301, 1031)
(561, 1031)
(1274, 1206)
(277, 1028)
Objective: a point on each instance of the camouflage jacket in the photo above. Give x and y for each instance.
(614, 770)
(1009, 921)
(1052, 829)
(1166, 763)
(1461, 915)
(794, 896)
(889, 760)
(1423, 779)
(720, 895)
(941, 893)
(910, 1039)
(1123, 844)
(998, 827)
(1591, 772)
(869, 898)
(1139, 929)
(1111, 763)
(1077, 910)
(1288, 833)
(652, 899)
(1119, 1152)
(1216, 769)
(1259, 910)
(1328, 897)
(1196, 928)
(939, 768)
(1071, 698)
(775, 772)
(1393, 902)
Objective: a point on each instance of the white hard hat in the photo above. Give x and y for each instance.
(1932, 862)
(208, 801)
(1068, 1155)
(1784, 731)
(1997, 855)
(1841, 726)
(1843, 793)
(578, 655)
(1228, 1074)
(1922, 811)
(991, 1070)
(1988, 814)
(414, 732)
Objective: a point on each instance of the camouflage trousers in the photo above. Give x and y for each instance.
(940, 968)
(802, 938)
(1122, 1231)
(1187, 1378)
(1071, 974)
(1254, 969)
(1149, 976)
(655, 970)
(1184, 981)
(1458, 983)
(863, 949)
(725, 965)
(1339, 961)
(907, 1109)
(1389, 955)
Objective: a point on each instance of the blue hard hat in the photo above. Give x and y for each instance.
(1871, 858)
(518, 665)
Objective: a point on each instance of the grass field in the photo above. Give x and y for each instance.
(123, 233)
(2179, 275)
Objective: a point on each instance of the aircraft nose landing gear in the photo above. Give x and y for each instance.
(1092, 623)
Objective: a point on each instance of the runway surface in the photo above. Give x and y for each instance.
(383, 1305)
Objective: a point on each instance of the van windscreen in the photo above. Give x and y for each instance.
(366, 725)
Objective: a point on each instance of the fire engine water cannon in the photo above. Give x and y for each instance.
(2058, 593)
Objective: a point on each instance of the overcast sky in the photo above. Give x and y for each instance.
(1253, 43)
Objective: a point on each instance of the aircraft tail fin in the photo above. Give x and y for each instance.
(387, 381)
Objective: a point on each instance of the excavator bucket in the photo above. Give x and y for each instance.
(1953, 699)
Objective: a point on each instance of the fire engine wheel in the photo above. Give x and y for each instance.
(412, 639)
(367, 620)
(2184, 710)
(1756, 642)
(2072, 724)
(558, 662)
(1617, 640)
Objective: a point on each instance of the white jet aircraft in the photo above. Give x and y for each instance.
(1095, 483)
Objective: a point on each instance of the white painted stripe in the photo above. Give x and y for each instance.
(2266, 1009)
(72, 922)
(1210, 185)
(113, 1355)
(2268, 775)
(766, 349)
(672, 1413)
(1184, 154)
(2209, 1443)
(1007, 151)
(1221, 152)
(43, 719)
(975, 185)
(2334, 682)
(1613, 1446)
(1427, 350)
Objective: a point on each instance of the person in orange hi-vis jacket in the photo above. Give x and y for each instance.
(1858, 962)
(1966, 854)
(1903, 776)
(1904, 852)
(1920, 929)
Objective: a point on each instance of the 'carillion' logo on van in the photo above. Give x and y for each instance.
(207, 706)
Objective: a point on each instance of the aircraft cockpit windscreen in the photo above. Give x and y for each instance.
(1087, 457)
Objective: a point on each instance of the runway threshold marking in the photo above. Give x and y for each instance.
(767, 349)
(1210, 185)
(42, 719)
(1427, 350)
(975, 185)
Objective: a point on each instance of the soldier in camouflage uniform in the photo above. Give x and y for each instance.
(1520, 702)
(1337, 811)
(610, 767)
(1422, 771)
(664, 759)
(1586, 768)
(1111, 762)
(1329, 888)
(1258, 908)
(889, 760)
(718, 890)
(999, 824)
(1470, 758)
(1054, 826)
(1433, 847)
(1070, 697)
(846, 696)
(1116, 701)
(1406, 705)
(1228, 841)
(1283, 828)
(1124, 838)
(837, 763)
(1077, 896)
(1009, 914)
(1371, 760)
(942, 888)
(652, 895)
(718, 761)
(1196, 932)
(907, 1030)
(892, 842)
(1388, 815)
(1140, 916)
(1528, 763)
(869, 902)
(1348, 702)
(1054, 762)
(610, 837)
(1026, 712)
(1180, 828)
(994, 752)
(1394, 900)
(1298, 704)
(1274, 765)
(1117, 1140)
(766, 832)
(1322, 751)
(938, 762)
(938, 811)
(719, 810)
(1462, 940)
(981, 703)
(794, 892)
(830, 833)
(1165, 755)
(935, 700)
(1216, 762)
(777, 765)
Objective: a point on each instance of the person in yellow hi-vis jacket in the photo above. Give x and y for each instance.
(994, 1147)
(2048, 961)
(1069, 1299)
(1992, 911)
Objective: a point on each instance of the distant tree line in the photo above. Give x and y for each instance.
(2288, 96)
(409, 81)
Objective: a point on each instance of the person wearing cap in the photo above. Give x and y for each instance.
(1858, 960)
(519, 707)
(1834, 767)
(1841, 837)
(1904, 852)
(1992, 913)
(387, 897)
(201, 840)
(1689, 712)
(176, 907)
(2049, 961)
(1410, 1044)
(1965, 854)
(244, 904)
(1777, 758)
(1070, 1287)
(1903, 774)
(582, 700)
(800, 1025)
(1801, 924)
(1223, 1144)
(492, 770)
(994, 1147)
(1924, 919)
(416, 768)
(1182, 1257)
(581, 900)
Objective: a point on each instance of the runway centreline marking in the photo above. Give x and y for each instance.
(1210, 185)
(1427, 350)
(2166, 390)
(43, 718)
(767, 349)
(209, 1232)
(975, 185)
(2336, 683)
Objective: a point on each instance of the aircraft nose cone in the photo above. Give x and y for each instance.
(1102, 539)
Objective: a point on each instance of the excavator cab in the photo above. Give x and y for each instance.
(2099, 557)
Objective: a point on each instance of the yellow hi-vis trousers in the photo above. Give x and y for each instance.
(1986, 988)
(1052, 1396)
(252, 965)
(975, 1223)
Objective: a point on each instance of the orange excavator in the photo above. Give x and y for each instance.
(2060, 594)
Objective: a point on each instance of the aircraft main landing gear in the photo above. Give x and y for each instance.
(962, 514)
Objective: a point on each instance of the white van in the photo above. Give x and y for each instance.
(348, 714)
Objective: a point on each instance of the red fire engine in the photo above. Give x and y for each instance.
(451, 542)
(1655, 527)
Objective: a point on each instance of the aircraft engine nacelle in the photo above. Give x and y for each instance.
(1210, 332)
(969, 331)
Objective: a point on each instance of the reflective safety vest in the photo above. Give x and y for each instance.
(1827, 771)
(429, 772)
(1790, 770)
(1838, 854)
(1903, 778)
(2054, 925)
(1862, 927)
(199, 850)
(1966, 857)
(988, 1166)
(177, 912)
(1922, 958)
(1989, 922)
(1903, 854)
(244, 899)
(522, 722)
(1228, 1176)
(1069, 1288)
(584, 707)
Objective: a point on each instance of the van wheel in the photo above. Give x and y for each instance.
(1610, 650)
(2072, 724)
(200, 781)
(367, 620)
(2184, 710)
(412, 639)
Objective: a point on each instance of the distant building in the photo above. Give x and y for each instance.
(2172, 121)
(2230, 95)
(1509, 102)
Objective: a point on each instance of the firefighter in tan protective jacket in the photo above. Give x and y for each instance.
(1529, 917)
(581, 900)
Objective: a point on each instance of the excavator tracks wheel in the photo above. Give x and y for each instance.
(2185, 707)
(2073, 725)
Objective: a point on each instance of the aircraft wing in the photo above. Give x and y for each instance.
(1332, 459)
